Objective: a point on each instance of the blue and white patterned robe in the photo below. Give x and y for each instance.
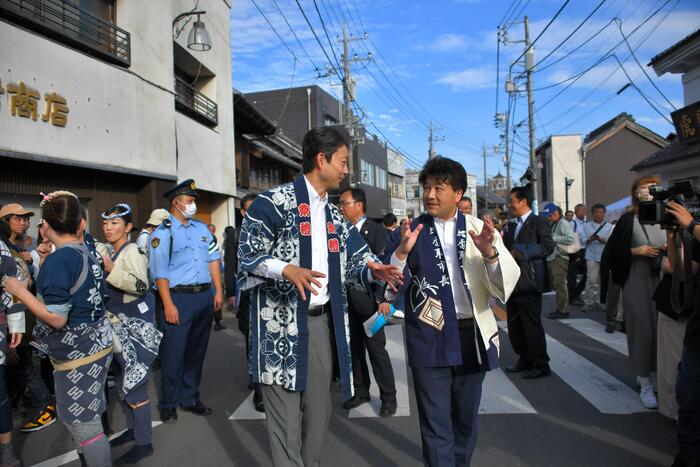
(278, 320)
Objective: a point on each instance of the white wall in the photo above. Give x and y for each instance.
(565, 162)
(125, 119)
(691, 86)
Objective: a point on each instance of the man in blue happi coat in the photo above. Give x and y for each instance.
(297, 254)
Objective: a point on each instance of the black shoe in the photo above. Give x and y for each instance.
(620, 327)
(557, 315)
(537, 373)
(156, 364)
(356, 401)
(388, 408)
(126, 437)
(135, 454)
(518, 367)
(219, 327)
(576, 302)
(198, 408)
(258, 403)
(168, 415)
(609, 328)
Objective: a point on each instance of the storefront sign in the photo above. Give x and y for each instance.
(687, 123)
(23, 101)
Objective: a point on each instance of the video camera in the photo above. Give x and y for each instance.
(654, 212)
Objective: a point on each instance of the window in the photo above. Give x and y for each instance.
(380, 177)
(367, 172)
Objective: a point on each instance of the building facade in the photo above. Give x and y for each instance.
(104, 98)
(396, 168)
(560, 157)
(414, 194)
(297, 110)
(680, 160)
(609, 152)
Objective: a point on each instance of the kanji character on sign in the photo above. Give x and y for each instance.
(56, 109)
(23, 101)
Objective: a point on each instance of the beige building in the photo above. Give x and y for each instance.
(117, 100)
(560, 160)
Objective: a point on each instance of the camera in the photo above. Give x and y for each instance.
(682, 192)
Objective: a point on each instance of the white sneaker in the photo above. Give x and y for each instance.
(648, 398)
(398, 314)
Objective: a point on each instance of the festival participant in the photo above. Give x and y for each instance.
(72, 327)
(132, 312)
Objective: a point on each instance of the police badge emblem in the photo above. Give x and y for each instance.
(155, 242)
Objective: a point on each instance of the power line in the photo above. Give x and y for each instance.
(509, 12)
(580, 25)
(619, 25)
(566, 2)
(313, 31)
(572, 79)
(294, 33)
(274, 29)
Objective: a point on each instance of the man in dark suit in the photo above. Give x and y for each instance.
(361, 306)
(530, 242)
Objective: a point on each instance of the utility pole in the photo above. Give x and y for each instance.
(432, 139)
(349, 94)
(529, 65)
(486, 188)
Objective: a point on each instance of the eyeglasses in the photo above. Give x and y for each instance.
(346, 203)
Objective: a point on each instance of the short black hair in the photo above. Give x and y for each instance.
(579, 205)
(570, 211)
(246, 198)
(466, 198)
(446, 171)
(598, 206)
(523, 193)
(326, 140)
(389, 219)
(358, 195)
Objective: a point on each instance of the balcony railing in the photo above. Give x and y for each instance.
(195, 104)
(67, 23)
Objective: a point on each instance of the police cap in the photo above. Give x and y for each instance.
(186, 187)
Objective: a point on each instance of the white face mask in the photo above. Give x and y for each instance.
(643, 194)
(190, 210)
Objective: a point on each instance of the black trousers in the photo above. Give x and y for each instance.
(525, 330)
(577, 265)
(375, 346)
(243, 317)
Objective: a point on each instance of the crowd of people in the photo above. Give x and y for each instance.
(304, 276)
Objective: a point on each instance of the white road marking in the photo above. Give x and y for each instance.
(500, 396)
(246, 411)
(71, 456)
(595, 330)
(602, 390)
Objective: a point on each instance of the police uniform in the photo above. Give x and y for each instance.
(181, 253)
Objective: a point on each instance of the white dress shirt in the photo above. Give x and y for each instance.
(272, 267)
(446, 231)
(520, 222)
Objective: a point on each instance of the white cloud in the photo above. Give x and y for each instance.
(469, 79)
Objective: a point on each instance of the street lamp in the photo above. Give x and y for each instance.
(568, 182)
(198, 38)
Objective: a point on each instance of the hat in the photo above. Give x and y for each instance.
(14, 209)
(184, 188)
(157, 217)
(549, 209)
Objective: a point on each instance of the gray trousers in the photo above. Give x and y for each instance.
(297, 421)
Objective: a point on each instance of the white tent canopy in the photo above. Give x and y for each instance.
(615, 210)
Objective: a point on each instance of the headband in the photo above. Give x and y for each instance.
(51, 196)
(117, 215)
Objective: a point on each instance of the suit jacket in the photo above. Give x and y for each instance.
(534, 242)
(375, 235)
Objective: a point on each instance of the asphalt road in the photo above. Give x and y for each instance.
(586, 414)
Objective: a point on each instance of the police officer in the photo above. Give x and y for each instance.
(184, 263)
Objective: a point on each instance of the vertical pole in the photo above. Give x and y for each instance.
(430, 140)
(566, 190)
(486, 188)
(531, 121)
(508, 152)
(348, 120)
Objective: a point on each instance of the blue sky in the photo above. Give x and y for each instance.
(437, 60)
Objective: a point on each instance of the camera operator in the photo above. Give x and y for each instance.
(688, 386)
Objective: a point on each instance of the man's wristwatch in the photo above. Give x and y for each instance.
(492, 257)
(691, 227)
